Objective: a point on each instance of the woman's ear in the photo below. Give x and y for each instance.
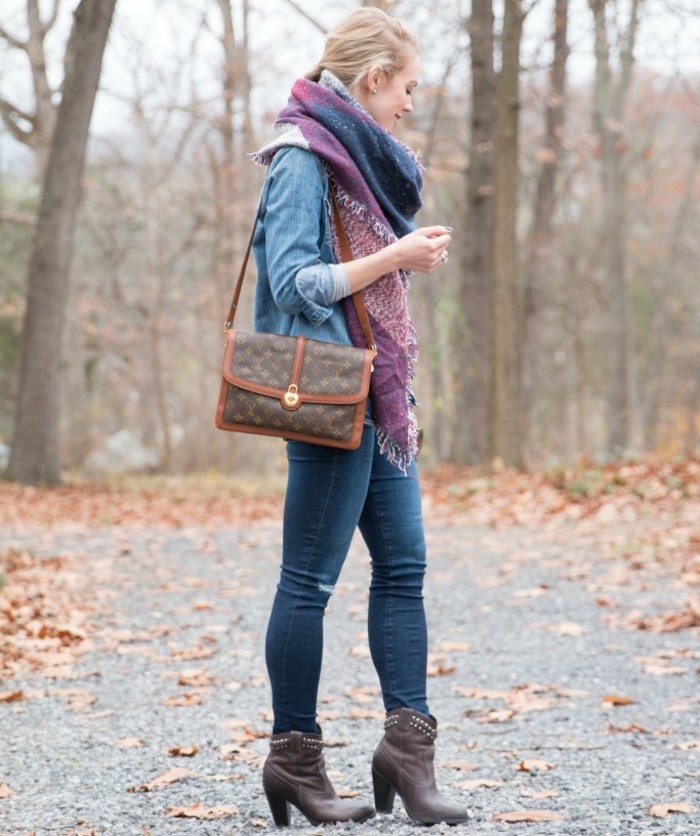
(373, 78)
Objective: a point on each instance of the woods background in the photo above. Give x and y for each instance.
(562, 143)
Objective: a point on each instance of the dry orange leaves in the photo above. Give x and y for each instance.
(521, 699)
(44, 617)
(581, 490)
(198, 811)
(45, 613)
(169, 503)
(662, 810)
(527, 816)
(164, 780)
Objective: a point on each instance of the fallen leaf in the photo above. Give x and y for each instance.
(189, 654)
(335, 742)
(480, 693)
(496, 716)
(535, 765)
(569, 628)
(632, 727)
(81, 700)
(461, 766)
(614, 699)
(454, 647)
(366, 714)
(183, 751)
(661, 810)
(199, 811)
(12, 696)
(439, 666)
(476, 783)
(537, 592)
(5, 791)
(164, 780)
(539, 795)
(517, 816)
(195, 678)
(129, 743)
(359, 693)
(663, 669)
(183, 700)
(243, 733)
(689, 744)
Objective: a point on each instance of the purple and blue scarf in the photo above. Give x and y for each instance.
(376, 181)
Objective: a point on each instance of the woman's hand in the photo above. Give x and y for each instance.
(424, 249)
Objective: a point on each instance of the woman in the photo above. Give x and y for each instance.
(336, 148)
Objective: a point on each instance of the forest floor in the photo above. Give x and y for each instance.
(564, 617)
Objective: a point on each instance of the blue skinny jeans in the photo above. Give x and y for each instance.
(329, 494)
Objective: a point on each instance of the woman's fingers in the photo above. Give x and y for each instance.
(425, 248)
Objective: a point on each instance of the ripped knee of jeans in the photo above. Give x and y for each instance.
(326, 588)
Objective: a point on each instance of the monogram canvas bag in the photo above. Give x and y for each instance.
(295, 387)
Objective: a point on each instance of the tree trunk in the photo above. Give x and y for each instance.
(506, 426)
(543, 214)
(608, 108)
(224, 165)
(35, 456)
(662, 323)
(474, 346)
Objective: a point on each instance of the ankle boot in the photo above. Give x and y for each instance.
(295, 773)
(403, 764)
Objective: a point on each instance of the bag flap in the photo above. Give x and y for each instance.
(330, 373)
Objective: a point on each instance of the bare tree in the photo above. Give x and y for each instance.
(474, 349)
(35, 449)
(506, 429)
(664, 322)
(541, 234)
(609, 97)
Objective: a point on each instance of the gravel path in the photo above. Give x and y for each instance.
(546, 700)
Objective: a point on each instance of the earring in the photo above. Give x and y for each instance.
(374, 90)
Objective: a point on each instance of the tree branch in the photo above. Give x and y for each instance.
(51, 20)
(23, 218)
(312, 20)
(11, 40)
(10, 114)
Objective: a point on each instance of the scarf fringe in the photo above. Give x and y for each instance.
(360, 211)
(393, 452)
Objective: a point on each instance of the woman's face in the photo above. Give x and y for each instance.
(393, 95)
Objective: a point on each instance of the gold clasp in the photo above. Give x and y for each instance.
(290, 399)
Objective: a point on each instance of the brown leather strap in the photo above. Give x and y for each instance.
(357, 297)
(346, 254)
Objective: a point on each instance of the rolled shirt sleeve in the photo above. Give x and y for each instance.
(323, 284)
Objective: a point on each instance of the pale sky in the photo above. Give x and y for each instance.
(285, 45)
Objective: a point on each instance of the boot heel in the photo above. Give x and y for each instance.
(384, 793)
(279, 808)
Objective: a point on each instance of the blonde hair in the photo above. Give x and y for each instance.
(368, 38)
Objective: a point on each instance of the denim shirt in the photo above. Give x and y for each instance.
(299, 285)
